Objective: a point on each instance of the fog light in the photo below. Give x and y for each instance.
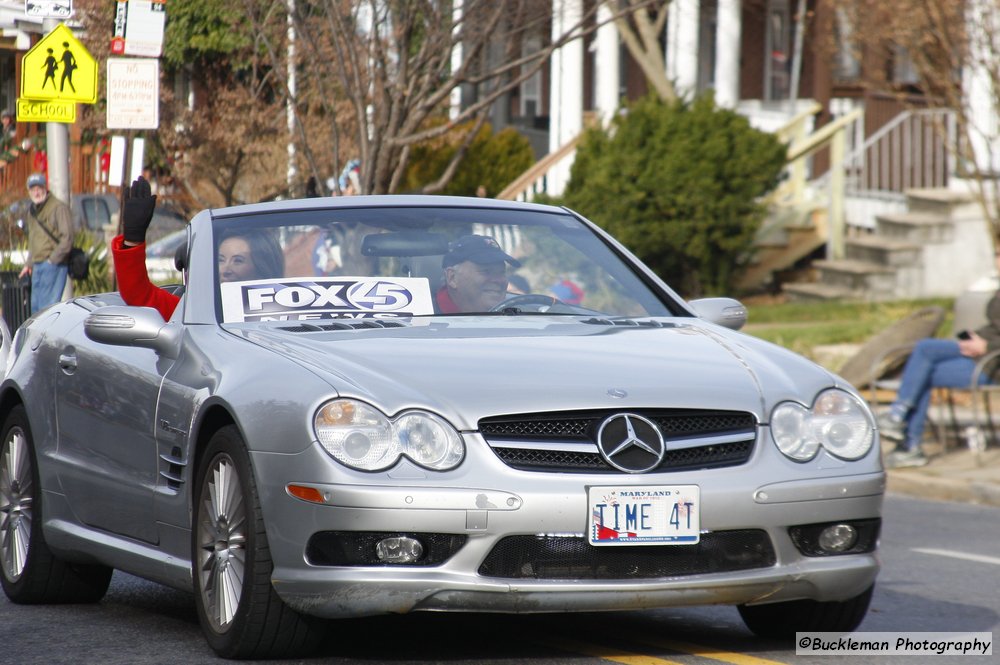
(399, 549)
(838, 538)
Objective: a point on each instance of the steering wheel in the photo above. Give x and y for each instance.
(532, 302)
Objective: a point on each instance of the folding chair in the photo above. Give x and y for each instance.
(879, 362)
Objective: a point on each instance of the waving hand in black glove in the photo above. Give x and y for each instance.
(138, 211)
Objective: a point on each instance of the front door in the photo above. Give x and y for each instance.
(105, 409)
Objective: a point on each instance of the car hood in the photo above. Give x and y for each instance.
(469, 368)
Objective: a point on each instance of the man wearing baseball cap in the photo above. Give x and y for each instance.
(50, 237)
(475, 275)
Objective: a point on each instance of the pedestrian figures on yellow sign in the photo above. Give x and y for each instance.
(50, 67)
(68, 67)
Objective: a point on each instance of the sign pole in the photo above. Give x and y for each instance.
(57, 146)
(125, 184)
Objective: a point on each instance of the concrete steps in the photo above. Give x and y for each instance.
(788, 236)
(936, 248)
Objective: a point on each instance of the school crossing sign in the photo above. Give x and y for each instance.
(59, 68)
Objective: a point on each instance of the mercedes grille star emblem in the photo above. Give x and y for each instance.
(630, 443)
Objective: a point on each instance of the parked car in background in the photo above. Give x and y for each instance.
(327, 442)
(94, 211)
(161, 258)
(14, 243)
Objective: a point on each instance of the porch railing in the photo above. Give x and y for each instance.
(914, 150)
(533, 181)
(834, 184)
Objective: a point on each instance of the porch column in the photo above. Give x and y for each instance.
(983, 20)
(607, 87)
(566, 97)
(728, 30)
(455, 98)
(682, 46)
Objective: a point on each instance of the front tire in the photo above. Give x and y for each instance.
(30, 572)
(782, 620)
(240, 613)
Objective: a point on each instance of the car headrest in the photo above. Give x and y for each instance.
(404, 243)
(181, 257)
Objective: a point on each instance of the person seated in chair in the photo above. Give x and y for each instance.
(935, 363)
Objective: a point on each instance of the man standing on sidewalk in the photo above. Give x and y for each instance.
(50, 237)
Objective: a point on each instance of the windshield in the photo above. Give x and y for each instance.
(384, 262)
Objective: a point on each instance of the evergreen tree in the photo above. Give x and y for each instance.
(680, 184)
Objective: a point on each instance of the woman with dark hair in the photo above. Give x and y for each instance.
(242, 255)
(249, 255)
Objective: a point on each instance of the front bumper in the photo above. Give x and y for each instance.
(366, 592)
(550, 505)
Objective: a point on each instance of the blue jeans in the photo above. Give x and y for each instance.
(47, 284)
(934, 363)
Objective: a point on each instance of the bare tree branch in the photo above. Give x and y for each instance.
(391, 64)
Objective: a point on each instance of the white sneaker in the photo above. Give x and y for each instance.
(901, 459)
(891, 427)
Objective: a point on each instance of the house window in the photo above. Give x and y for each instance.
(708, 29)
(903, 70)
(778, 58)
(847, 63)
(531, 88)
(8, 86)
(184, 88)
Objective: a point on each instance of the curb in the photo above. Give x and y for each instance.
(919, 485)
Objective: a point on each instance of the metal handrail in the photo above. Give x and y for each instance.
(795, 128)
(834, 136)
(890, 150)
(524, 181)
(824, 135)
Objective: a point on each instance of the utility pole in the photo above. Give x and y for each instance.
(57, 144)
(293, 170)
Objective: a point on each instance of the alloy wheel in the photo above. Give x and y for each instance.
(16, 488)
(222, 538)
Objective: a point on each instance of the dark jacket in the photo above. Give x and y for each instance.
(56, 217)
(991, 331)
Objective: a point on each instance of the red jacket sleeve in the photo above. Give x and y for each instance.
(133, 280)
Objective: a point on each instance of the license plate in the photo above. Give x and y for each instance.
(657, 515)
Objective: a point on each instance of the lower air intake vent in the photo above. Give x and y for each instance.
(561, 558)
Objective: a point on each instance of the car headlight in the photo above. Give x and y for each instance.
(362, 437)
(837, 421)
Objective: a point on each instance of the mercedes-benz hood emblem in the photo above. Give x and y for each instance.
(630, 443)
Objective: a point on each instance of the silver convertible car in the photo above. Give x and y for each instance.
(400, 404)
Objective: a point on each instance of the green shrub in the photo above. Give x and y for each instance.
(680, 185)
(492, 161)
(99, 279)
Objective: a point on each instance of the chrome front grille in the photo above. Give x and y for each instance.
(566, 441)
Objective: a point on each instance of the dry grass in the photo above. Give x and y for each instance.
(804, 327)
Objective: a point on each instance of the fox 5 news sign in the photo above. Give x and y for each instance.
(299, 299)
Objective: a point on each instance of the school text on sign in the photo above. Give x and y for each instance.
(45, 110)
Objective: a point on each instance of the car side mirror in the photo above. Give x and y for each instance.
(134, 326)
(725, 312)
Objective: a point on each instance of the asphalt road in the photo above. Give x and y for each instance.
(940, 569)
